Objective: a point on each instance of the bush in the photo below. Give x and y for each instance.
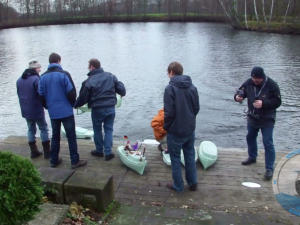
(21, 191)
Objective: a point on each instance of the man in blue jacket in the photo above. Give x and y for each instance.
(99, 91)
(264, 98)
(181, 105)
(59, 94)
(32, 108)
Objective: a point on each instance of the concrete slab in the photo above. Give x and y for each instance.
(91, 190)
(54, 179)
(50, 214)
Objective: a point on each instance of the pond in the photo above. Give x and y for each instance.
(218, 59)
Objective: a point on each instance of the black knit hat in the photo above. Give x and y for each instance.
(258, 72)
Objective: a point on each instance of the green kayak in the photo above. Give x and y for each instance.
(182, 157)
(85, 108)
(81, 133)
(135, 160)
(208, 153)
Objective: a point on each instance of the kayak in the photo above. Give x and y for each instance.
(208, 153)
(85, 107)
(81, 133)
(166, 158)
(135, 160)
(182, 157)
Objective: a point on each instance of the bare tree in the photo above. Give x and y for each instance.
(286, 12)
(255, 10)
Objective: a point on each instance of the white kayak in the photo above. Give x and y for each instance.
(135, 160)
(208, 153)
(85, 108)
(166, 158)
(182, 157)
(81, 133)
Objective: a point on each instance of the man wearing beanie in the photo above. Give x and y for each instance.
(264, 98)
(32, 108)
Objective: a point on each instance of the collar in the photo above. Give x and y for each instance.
(95, 71)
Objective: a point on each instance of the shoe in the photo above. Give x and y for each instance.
(46, 149)
(96, 153)
(109, 157)
(79, 164)
(249, 161)
(53, 165)
(268, 174)
(193, 187)
(159, 147)
(170, 186)
(34, 152)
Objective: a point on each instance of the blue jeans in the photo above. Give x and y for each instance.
(267, 134)
(69, 125)
(42, 124)
(103, 117)
(175, 144)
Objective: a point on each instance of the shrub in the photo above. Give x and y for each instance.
(21, 191)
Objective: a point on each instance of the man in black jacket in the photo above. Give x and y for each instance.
(99, 91)
(181, 105)
(264, 98)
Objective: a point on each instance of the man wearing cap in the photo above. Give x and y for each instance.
(264, 98)
(58, 91)
(32, 109)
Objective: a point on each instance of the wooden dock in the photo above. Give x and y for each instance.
(219, 187)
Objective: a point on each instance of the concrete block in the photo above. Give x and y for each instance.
(93, 190)
(298, 184)
(54, 179)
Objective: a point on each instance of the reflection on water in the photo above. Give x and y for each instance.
(217, 58)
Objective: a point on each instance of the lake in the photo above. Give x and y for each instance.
(218, 59)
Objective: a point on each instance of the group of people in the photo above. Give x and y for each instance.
(55, 91)
(174, 126)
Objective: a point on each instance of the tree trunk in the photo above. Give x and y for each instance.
(287, 9)
(246, 21)
(264, 12)
(271, 11)
(255, 10)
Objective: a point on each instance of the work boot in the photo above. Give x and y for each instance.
(248, 161)
(96, 153)
(79, 164)
(34, 152)
(46, 149)
(193, 187)
(268, 174)
(109, 157)
(53, 165)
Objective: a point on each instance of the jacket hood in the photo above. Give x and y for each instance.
(95, 71)
(181, 81)
(53, 66)
(29, 72)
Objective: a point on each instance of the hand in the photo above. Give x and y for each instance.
(257, 104)
(239, 98)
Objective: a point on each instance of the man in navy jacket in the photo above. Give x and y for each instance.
(99, 91)
(32, 108)
(181, 105)
(264, 98)
(59, 94)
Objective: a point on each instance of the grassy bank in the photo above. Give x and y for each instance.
(273, 27)
(190, 17)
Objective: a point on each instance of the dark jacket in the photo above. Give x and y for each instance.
(58, 91)
(100, 89)
(271, 100)
(181, 105)
(27, 89)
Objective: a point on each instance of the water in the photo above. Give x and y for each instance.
(217, 58)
